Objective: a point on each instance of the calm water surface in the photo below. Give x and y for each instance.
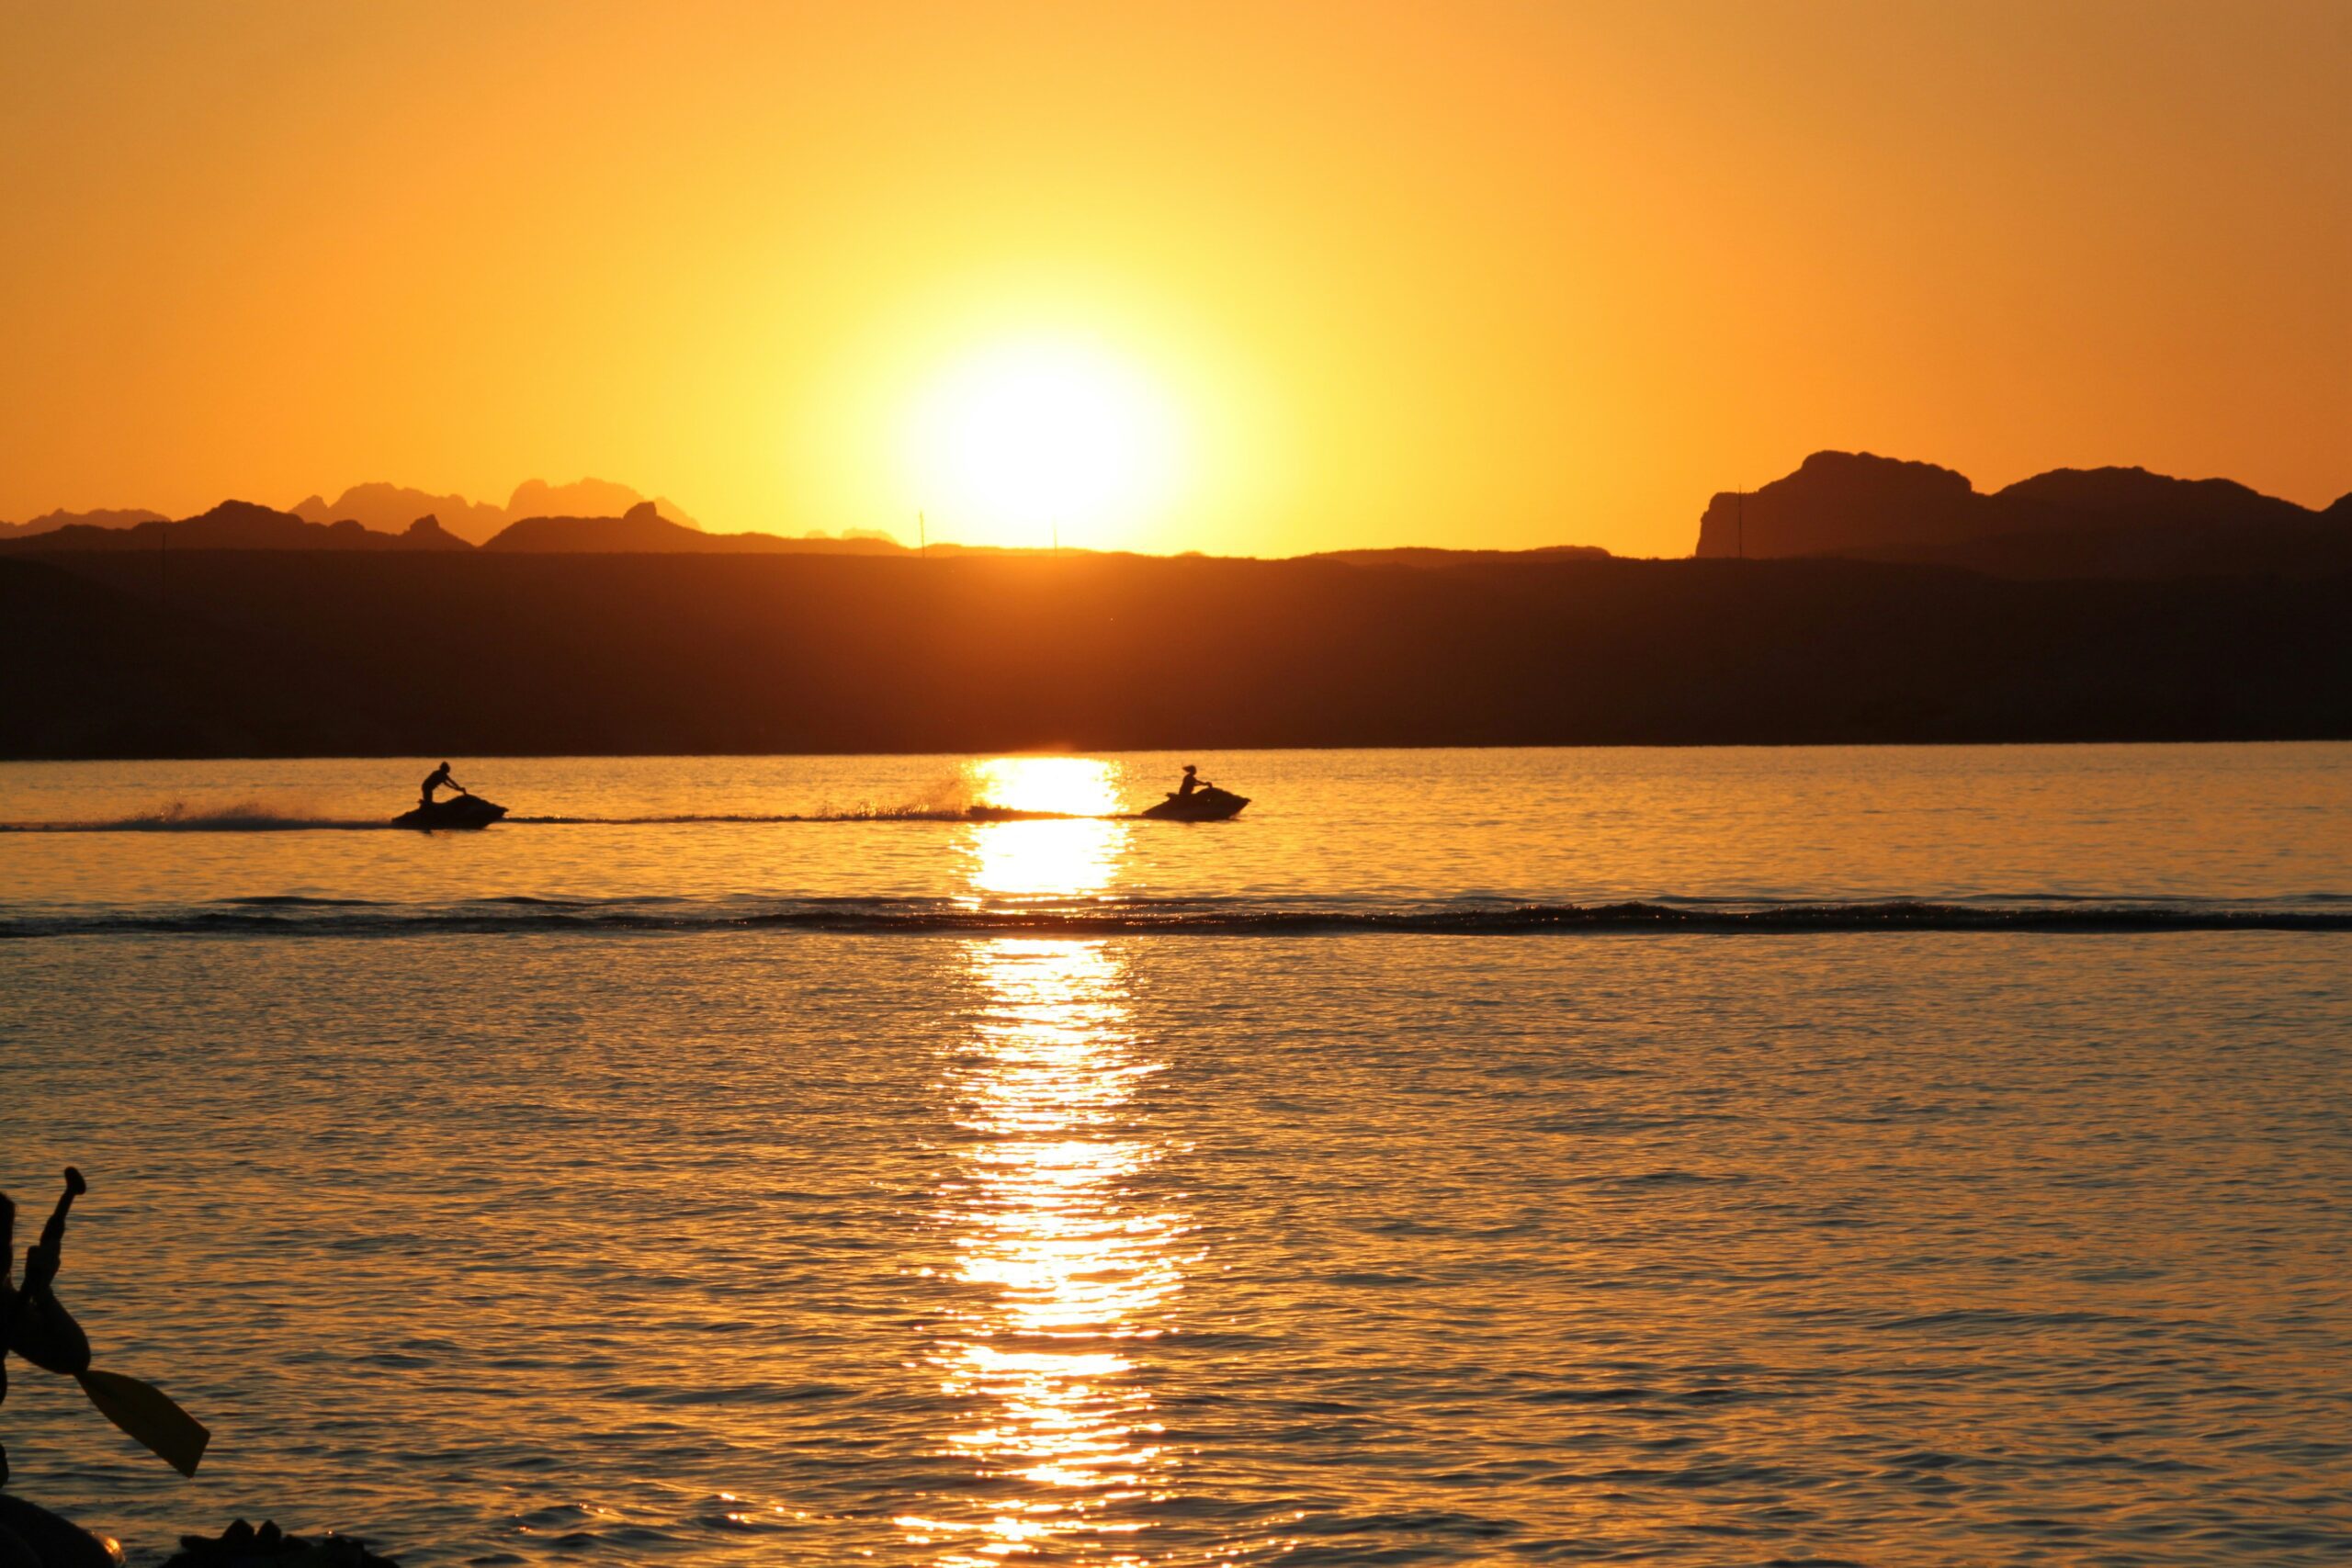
(756, 1160)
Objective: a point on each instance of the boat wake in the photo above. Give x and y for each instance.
(853, 813)
(177, 818)
(290, 915)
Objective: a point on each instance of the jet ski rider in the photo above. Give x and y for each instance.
(1193, 781)
(433, 781)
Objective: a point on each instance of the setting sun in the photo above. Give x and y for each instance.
(1035, 438)
(959, 784)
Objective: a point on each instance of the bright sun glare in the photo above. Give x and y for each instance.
(1039, 436)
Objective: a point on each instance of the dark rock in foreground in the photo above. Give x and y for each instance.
(32, 1537)
(241, 1545)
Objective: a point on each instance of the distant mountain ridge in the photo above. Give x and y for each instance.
(246, 525)
(50, 522)
(390, 509)
(643, 530)
(236, 525)
(2067, 523)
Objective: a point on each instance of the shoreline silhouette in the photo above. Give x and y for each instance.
(262, 653)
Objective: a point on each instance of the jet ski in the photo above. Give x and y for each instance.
(459, 810)
(1207, 803)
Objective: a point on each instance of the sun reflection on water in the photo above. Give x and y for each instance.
(1069, 856)
(1066, 1265)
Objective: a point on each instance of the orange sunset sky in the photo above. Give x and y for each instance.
(1255, 279)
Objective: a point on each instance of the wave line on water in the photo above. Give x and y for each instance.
(524, 915)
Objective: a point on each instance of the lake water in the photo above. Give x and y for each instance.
(1900, 1156)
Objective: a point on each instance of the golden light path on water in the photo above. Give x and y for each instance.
(1066, 1265)
(1052, 858)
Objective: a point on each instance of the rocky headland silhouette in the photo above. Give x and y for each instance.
(2069, 523)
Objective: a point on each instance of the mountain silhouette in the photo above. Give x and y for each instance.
(427, 534)
(245, 526)
(236, 525)
(389, 508)
(586, 498)
(642, 530)
(2069, 523)
(2066, 522)
(50, 522)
